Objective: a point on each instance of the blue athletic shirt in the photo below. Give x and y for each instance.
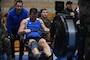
(33, 26)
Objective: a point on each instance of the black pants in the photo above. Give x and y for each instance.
(21, 46)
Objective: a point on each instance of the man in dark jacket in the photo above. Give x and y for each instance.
(68, 10)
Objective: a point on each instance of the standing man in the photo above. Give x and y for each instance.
(5, 44)
(68, 10)
(47, 22)
(35, 39)
(14, 18)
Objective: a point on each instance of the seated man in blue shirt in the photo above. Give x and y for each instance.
(34, 38)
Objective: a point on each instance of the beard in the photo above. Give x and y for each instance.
(18, 11)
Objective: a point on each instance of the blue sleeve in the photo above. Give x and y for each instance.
(9, 24)
(26, 14)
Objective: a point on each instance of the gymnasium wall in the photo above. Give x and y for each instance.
(48, 4)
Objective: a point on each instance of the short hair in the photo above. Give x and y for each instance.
(19, 1)
(69, 2)
(42, 10)
(34, 10)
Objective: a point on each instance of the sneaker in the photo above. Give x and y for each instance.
(50, 58)
(43, 56)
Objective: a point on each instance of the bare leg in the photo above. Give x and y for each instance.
(34, 50)
(43, 43)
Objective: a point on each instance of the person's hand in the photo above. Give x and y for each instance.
(47, 29)
(72, 14)
(77, 10)
(11, 37)
(27, 30)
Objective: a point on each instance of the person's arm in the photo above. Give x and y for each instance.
(43, 26)
(9, 24)
(22, 29)
(3, 32)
